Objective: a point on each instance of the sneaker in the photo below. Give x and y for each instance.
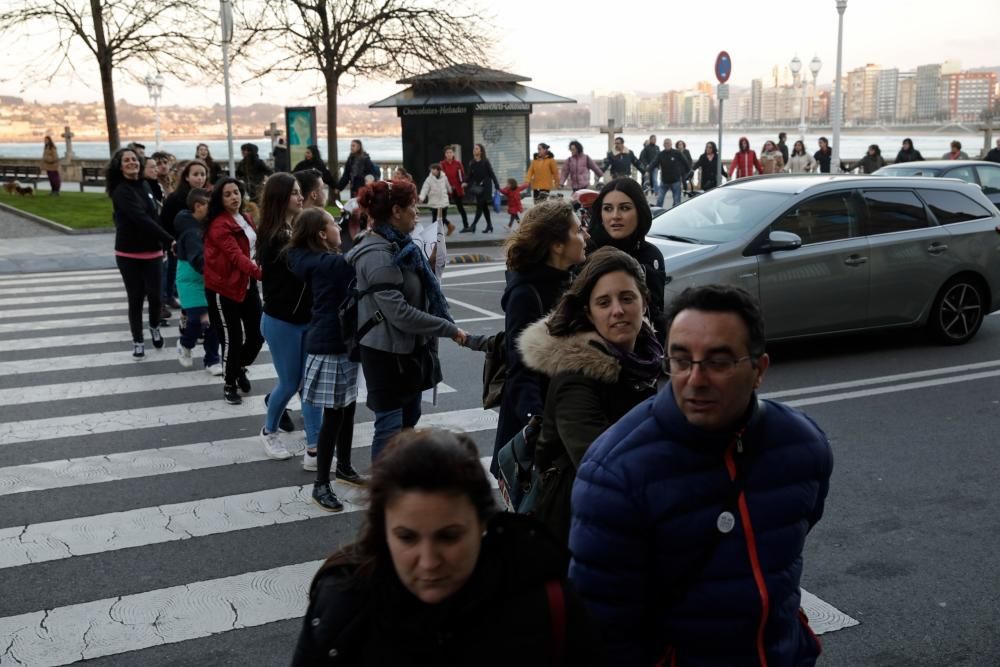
(273, 447)
(138, 351)
(348, 475)
(184, 356)
(285, 423)
(157, 337)
(324, 496)
(243, 382)
(165, 313)
(215, 369)
(309, 461)
(231, 395)
(174, 303)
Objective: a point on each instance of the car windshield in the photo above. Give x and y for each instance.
(722, 215)
(915, 170)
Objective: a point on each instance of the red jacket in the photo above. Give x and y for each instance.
(456, 175)
(228, 267)
(513, 196)
(744, 164)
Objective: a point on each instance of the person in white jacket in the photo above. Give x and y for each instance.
(800, 162)
(435, 193)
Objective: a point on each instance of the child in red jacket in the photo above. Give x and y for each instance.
(514, 206)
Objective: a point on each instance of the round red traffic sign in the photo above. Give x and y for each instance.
(723, 66)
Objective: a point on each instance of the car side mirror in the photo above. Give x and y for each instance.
(781, 241)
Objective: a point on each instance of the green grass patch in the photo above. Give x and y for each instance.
(79, 210)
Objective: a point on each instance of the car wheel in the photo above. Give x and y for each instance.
(958, 311)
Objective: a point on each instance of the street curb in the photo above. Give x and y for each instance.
(51, 224)
(476, 243)
(469, 259)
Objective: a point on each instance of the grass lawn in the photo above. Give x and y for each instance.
(79, 210)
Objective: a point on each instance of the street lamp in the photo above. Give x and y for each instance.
(838, 106)
(154, 84)
(796, 67)
(226, 15)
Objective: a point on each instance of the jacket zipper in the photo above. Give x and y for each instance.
(751, 541)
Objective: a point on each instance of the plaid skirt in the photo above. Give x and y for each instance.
(330, 380)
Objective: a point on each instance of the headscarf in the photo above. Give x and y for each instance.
(411, 257)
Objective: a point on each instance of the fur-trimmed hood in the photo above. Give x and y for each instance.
(584, 352)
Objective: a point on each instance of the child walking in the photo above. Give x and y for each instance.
(435, 192)
(330, 380)
(191, 283)
(514, 206)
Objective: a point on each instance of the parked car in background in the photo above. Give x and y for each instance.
(831, 254)
(984, 174)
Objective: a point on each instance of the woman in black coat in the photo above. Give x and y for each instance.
(440, 578)
(908, 153)
(708, 163)
(315, 161)
(625, 218)
(481, 181)
(548, 242)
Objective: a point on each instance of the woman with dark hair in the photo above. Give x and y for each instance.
(956, 152)
(908, 153)
(745, 161)
(771, 159)
(194, 174)
(231, 277)
(403, 310)
(287, 311)
(438, 574)
(708, 164)
(682, 148)
(578, 167)
(625, 219)
(873, 160)
(823, 156)
(330, 378)
(202, 153)
(356, 168)
(601, 358)
(549, 242)
(252, 170)
(313, 160)
(50, 165)
(800, 162)
(139, 242)
(480, 183)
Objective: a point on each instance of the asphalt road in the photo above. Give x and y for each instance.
(89, 443)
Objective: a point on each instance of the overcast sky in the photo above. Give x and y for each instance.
(645, 45)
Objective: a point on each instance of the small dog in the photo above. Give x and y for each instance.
(15, 187)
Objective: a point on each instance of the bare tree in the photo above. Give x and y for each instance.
(122, 35)
(367, 39)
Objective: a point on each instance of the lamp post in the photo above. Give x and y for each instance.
(838, 105)
(796, 67)
(154, 84)
(814, 66)
(226, 14)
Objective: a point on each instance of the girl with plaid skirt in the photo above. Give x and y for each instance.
(330, 380)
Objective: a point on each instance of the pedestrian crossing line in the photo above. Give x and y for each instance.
(32, 278)
(190, 413)
(100, 469)
(41, 341)
(81, 536)
(63, 298)
(100, 360)
(75, 286)
(118, 305)
(66, 323)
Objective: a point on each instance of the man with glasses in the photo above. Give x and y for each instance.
(690, 514)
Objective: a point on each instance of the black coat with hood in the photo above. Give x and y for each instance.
(909, 155)
(647, 254)
(317, 163)
(529, 296)
(356, 168)
(499, 618)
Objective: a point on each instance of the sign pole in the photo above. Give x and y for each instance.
(718, 153)
(723, 70)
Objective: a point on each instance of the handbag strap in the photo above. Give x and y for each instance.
(557, 615)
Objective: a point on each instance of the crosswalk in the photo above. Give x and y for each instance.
(138, 511)
(146, 497)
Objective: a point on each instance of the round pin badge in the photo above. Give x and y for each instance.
(726, 522)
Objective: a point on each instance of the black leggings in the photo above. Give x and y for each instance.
(481, 208)
(237, 325)
(142, 281)
(337, 434)
(461, 211)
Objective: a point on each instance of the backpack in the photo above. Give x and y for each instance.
(495, 364)
(347, 313)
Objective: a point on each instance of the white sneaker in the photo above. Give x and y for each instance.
(273, 447)
(215, 369)
(309, 461)
(184, 356)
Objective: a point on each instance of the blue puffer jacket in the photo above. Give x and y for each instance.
(645, 506)
(329, 275)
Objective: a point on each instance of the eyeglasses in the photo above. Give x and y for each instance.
(714, 366)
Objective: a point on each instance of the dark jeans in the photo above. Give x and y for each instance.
(388, 423)
(237, 324)
(142, 281)
(55, 180)
(190, 333)
(169, 277)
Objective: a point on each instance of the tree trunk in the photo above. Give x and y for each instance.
(104, 63)
(332, 160)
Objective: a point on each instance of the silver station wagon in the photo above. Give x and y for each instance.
(831, 254)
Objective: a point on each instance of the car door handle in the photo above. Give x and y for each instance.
(937, 248)
(855, 260)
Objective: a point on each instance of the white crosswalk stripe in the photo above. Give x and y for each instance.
(174, 475)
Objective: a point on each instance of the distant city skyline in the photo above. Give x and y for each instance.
(572, 53)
